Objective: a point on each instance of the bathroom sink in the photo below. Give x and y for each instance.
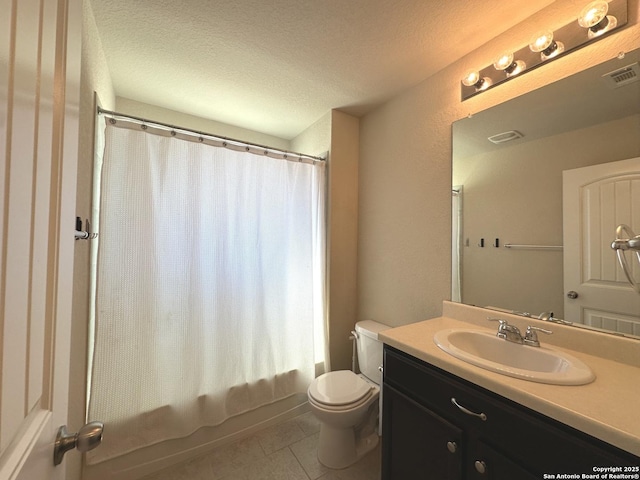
(536, 364)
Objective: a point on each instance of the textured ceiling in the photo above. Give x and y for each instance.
(277, 66)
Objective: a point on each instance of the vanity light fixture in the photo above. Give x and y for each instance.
(600, 18)
(544, 43)
(594, 17)
(508, 65)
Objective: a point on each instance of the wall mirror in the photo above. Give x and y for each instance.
(535, 210)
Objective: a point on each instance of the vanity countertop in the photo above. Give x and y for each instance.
(607, 408)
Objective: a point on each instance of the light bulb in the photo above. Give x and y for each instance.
(544, 43)
(510, 67)
(593, 13)
(594, 17)
(473, 79)
(470, 78)
(503, 61)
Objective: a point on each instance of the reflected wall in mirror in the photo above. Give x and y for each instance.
(581, 140)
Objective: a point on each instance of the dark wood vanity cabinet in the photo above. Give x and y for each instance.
(425, 435)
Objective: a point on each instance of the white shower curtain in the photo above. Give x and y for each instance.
(210, 282)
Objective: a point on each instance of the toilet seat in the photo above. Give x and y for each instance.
(340, 390)
(341, 408)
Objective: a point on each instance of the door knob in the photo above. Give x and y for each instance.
(87, 438)
(572, 295)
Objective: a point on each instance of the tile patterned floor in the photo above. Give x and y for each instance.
(283, 452)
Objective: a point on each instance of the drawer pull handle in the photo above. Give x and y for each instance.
(452, 447)
(482, 416)
(481, 467)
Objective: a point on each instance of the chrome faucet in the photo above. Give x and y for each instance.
(511, 333)
(548, 317)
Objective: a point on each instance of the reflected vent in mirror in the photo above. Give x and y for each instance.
(622, 76)
(505, 137)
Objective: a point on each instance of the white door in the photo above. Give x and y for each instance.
(596, 200)
(39, 102)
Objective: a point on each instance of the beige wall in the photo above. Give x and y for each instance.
(405, 169)
(95, 77)
(338, 134)
(343, 236)
(315, 139)
(171, 117)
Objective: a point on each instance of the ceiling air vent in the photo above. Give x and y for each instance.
(505, 137)
(622, 76)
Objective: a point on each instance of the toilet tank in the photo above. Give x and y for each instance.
(370, 349)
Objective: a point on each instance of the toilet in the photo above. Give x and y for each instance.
(348, 404)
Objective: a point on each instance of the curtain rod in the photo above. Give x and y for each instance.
(189, 131)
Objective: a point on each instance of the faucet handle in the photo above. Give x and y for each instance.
(531, 329)
(502, 321)
(531, 335)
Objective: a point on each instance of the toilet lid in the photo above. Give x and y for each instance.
(339, 388)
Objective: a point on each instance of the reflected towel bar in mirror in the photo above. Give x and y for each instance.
(533, 247)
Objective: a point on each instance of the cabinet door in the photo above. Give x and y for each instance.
(417, 443)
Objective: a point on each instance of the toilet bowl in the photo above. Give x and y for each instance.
(348, 404)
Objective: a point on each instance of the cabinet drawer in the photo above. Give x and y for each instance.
(435, 390)
(498, 422)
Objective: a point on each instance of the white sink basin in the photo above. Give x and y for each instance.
(536, 364)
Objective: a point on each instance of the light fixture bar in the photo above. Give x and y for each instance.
(571, 37)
